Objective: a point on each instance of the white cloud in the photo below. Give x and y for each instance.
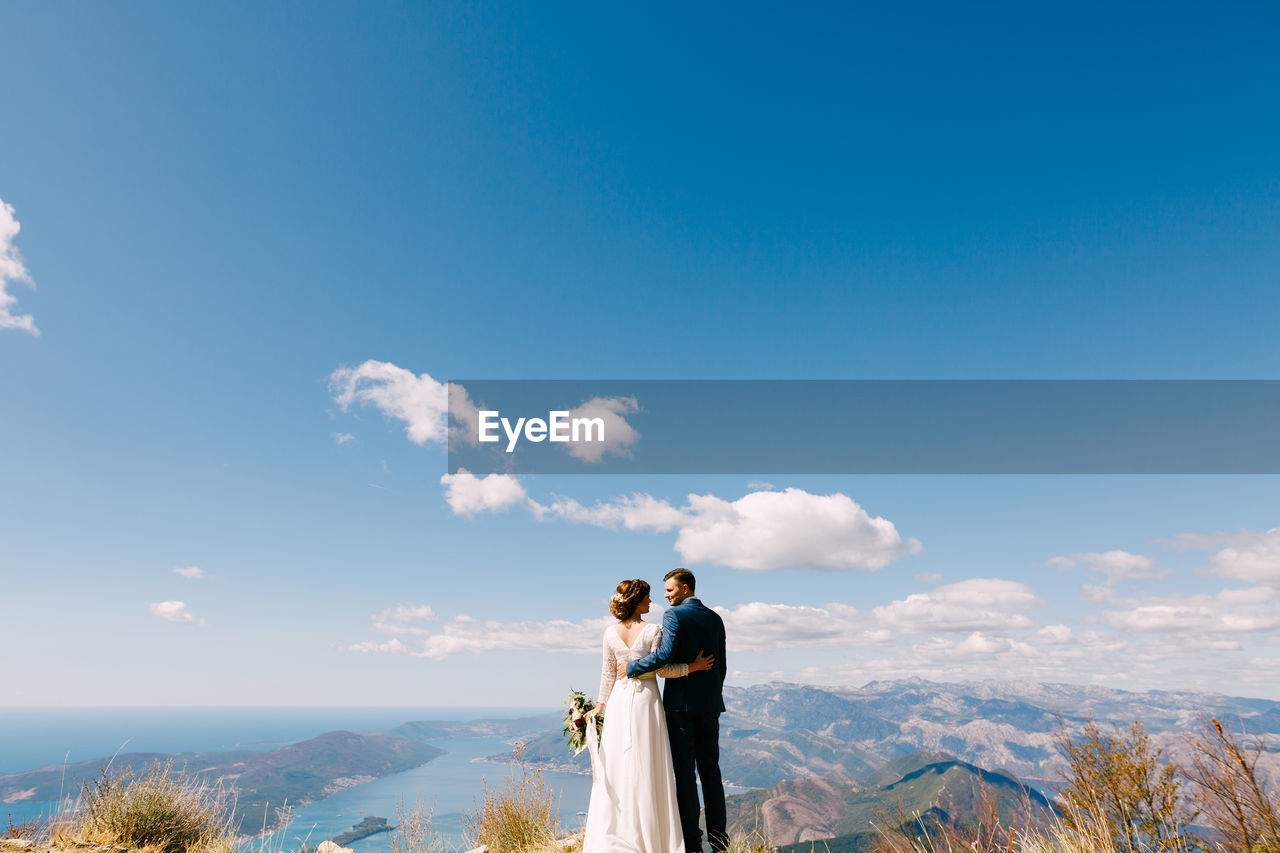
(1052, 650)
(761, 627)
(1098, 594)
(1249, 555)
(12, 269)
(750, 627)
(195, 573)
(634, 512)
(761, 530)
(472, 636)
(983, 654)
(1172, 647)
(753, 627)
(1253, 557)
(397, 620)
(465, 635)
(464, 415)
(468, 494)
(418, 400)
(846, 643)
(976, 646)
(619, 436)
(390, 647)
(1054, 635)
(773, 530)
(1231, 611)
(979, 604)
(406, 613)
(343, 437)
(173, 611)
(1115, 564)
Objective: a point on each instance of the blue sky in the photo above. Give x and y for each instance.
(222, 205)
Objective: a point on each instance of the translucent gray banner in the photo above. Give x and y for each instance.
(865, 427)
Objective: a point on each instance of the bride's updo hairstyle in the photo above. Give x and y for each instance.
(627, 598)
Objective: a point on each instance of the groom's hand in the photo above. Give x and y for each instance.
(702, 662)
(621, 669)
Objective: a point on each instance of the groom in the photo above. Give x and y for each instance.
(693, 705)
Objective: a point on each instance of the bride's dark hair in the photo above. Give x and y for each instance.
(627, 598)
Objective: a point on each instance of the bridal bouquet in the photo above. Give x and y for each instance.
(575, 720)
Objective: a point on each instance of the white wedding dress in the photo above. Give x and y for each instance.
(633, 793)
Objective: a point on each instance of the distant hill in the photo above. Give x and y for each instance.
(934, 785)
(297, 774)
(779, 731)
(502, 728)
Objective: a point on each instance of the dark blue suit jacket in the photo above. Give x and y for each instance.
(688, 628)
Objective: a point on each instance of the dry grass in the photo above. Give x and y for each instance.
(985, 832)
(413, 832)
(570, 845)
(27, 829)
(752, 842)
(1233, 794)
(1076, 831)
(158, 810)
(520, 818)
(1117, 782)
(943, 837)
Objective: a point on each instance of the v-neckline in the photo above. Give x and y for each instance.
(624, 639)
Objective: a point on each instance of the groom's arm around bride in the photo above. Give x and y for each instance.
(693, 706)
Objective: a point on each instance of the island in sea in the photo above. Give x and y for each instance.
(369, 826)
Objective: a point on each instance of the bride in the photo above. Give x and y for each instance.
(633, 793)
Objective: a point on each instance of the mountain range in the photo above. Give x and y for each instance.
(781, 731)
(818, 755)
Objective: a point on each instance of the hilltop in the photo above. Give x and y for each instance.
(843, 811)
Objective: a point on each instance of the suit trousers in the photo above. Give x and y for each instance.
(695, 746)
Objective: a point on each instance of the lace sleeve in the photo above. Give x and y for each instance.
(607, 670)
(671, 670)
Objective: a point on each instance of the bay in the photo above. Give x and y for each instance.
(448, 786)
(451, 783)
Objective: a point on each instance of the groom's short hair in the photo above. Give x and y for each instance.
(683, 576)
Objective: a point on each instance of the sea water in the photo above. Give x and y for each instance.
(449, 784)
(445, 787)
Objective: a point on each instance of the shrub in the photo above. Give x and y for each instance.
(1117, 785)
(160, 809)
(519, 817)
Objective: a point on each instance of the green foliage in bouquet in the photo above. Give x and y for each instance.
(575, 720)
